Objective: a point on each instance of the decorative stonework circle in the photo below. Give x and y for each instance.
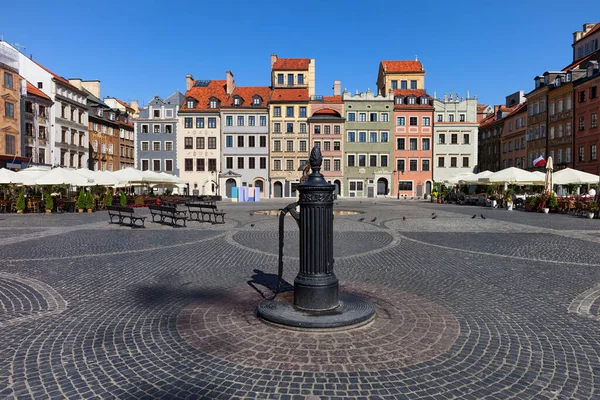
(408, 330)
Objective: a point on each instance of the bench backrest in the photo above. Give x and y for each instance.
(163, 208)
(120, 209)
(201, 205)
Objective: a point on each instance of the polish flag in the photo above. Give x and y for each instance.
(539, 162)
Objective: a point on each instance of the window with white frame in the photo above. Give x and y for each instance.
(155, 146)
(355, 188)
(168, 146)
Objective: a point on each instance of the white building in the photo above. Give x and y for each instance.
(68, 116)
(454, 136)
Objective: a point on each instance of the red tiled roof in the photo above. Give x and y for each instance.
(517, 109)
(408, 92)
(291, 64)
(247, 92)
(493, 117)
(481, 107)
(332, 99)
(36, 92)
(290, 95)
(121, 102)
(57, 77)
(576, 63)
(401, 66)
(202, 94)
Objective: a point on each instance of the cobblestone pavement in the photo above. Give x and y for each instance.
(468, 308)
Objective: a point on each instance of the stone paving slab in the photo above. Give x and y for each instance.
(464, 313)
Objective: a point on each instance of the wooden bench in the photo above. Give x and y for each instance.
(121, 213)
(164, 212)
(198, 212)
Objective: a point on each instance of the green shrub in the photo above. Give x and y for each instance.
(89, 201)
(108, 199)
(49, 201)
(81, 202)
(123, 200)
(20, 206)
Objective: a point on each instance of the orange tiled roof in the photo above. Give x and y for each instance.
(517, 109)
(401, 66)
(121, 102)
(408, 92)
(326, 112)
(247, 92)
(202, 94)
(493, 117)
(332, 99)
(36, 92)
(290, 95)
(291, 64)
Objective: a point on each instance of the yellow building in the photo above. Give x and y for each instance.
(293, 82)
(10, 120)
(400, 75)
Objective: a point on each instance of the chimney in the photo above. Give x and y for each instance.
(273, 60)
(337, 88)
(230, 82)
(135, 105)
(189, 81)
(75, 82)
(92, 86)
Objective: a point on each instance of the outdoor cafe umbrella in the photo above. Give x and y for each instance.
(11, 177)
(99, 177)
(62, 176)
(549, 168)
(475, 179)
(512, 175)
(454, 180)
(569, 175)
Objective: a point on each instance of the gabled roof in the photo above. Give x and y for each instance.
(36, 92)
(291, 64)
(203, 91)
(121, 102)
(402, 66)
(493, 117)
(290, 95)
(248, 92)
(518, 108)
(175, 98)
(57, 77)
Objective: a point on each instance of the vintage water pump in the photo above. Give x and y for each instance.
(317, 301)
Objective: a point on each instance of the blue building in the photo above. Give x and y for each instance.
(156, 134)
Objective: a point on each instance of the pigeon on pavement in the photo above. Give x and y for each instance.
(482, 216)
(374, 219)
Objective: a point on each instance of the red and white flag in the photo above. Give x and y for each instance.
(539, 162)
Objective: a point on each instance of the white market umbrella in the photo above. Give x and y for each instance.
(11, 177)
(132, 176)
(172, 178)
(61, 176)
(569, 175)
(99, 177)
(548, 177)
(476, 178)
(457, 178)
(512, 175)
(32, 173)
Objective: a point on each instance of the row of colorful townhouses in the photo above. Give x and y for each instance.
(558, 118)
(393, 141)
(48, 120)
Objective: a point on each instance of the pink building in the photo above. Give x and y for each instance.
(413, 137)
(326, 127)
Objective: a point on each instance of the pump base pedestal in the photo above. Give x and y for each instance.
(353, 311)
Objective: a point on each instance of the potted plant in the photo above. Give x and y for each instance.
(552, 202)
(543, 202)
(108, 199)
(81, 201)
(508, 197)
(89, 202)
(123, 200)
(20, 206)
(592, 209)
(49, 203)
(434, 196)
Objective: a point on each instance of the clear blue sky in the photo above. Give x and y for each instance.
(139, 49)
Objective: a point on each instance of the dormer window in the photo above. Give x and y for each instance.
(546, 80)
(398, 100)
(568, 77)
(557, 81)
(191, 103)
(237, 101)
(424, 100)
(213, 102)
(256, 101)
(111, 116)
(412, 100)
(100, 112)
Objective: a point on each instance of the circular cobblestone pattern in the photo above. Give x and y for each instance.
(408, 329)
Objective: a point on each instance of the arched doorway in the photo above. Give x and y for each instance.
(229, 185)
(428, 188)
(259, 184)
(382, 187)
(338, 187)
(277, 189)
